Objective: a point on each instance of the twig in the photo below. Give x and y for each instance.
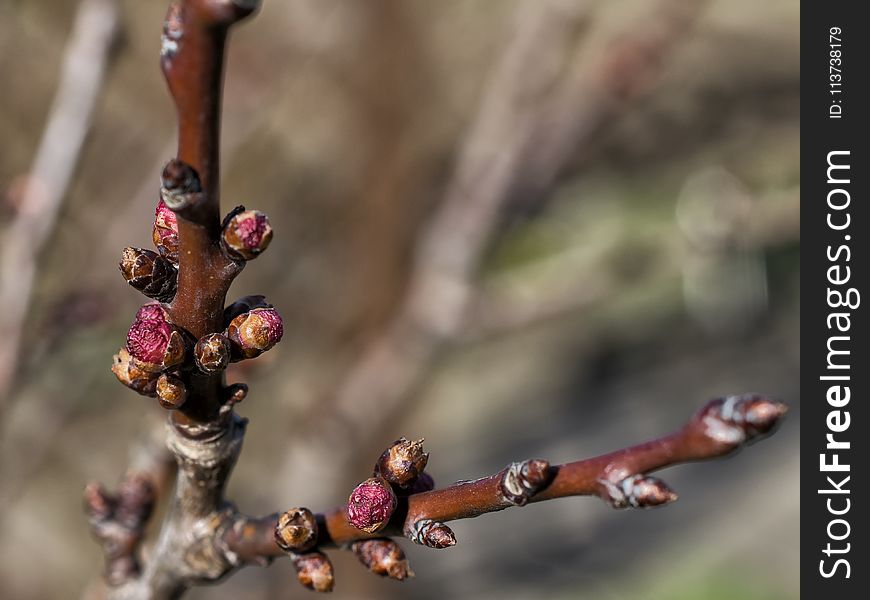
(620, 478)
(86, 59)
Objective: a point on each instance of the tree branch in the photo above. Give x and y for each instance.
(620, 478)
(192, 59)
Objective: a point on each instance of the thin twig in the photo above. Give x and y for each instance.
(620, 478)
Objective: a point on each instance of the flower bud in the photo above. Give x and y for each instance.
(402, 463)
(243, 305)
(296, 530)
(383, 557)
(314, 571)
(152, 274)
(171, 391)
(212, 353)
(255, 331)
(246, 234)
(131, 373)
(371, 504)
(165, 232)
(153, 340)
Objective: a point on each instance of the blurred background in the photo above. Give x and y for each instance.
(517, 228)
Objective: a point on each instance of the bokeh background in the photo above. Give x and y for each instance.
(516, 228)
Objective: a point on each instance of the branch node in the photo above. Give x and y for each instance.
(118, 523)
(180, 187)
(522, 480)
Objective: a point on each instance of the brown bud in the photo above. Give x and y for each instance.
(165, 232)
(432, 534)
(637, 491)
(131, 373)
(371, 504)
(314, 571)
(246, 234)
(402, 463)
(383, 557)
(522, 480)
(243, 305)
(152, 274)
(171, 391)
(296, 530)
(255, 331)
(153, 340)
(212, 353)
(178, 182)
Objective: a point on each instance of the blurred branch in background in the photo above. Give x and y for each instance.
(86, 59)
(529, 109)
(529, 295)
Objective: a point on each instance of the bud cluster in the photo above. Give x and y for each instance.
(399, 471)
(159, 356)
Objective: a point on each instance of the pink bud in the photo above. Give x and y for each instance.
(371, 504)
(165, 232)
(247, 234)
(153, 340)
(255, 331)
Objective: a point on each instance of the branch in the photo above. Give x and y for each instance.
(192, 59)
(178, 351)
(620, 478)
(118, 523)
